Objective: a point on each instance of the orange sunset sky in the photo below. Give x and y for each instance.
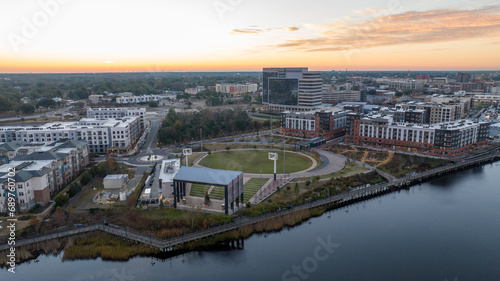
(227, 35)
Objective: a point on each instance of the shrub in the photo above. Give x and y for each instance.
(35, 208)
(61, 200)
(86, 178)
(24, 218)
(73, 190)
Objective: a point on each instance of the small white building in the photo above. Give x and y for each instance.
(115, 181)
(168, 170)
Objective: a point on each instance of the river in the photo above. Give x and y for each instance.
(446, 229)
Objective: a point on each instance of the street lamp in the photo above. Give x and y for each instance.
(187, 152)
(273, 156)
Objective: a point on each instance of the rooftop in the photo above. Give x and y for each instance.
(205, 175)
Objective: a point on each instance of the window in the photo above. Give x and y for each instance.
(20, 186)
(21, 193)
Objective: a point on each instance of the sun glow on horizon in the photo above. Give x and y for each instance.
(154, 36)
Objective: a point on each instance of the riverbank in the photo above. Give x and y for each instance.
(328, 202)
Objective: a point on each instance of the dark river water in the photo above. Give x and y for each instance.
(446, 229)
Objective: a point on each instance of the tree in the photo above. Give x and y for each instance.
(153, 104)
(27, 108)
(207, 199)
(296, 189)
(112, 164)
(372, 92)
(46, 103)
(247, 98)
(399, 94)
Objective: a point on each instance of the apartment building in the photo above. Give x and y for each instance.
(437, 112)
(118, 135)
(332, 96)
(444, 139)
(405, 84)
(42, 169)
(118, 113)
(137, 99)
(326, 123)
(487, 99)
(236, 89)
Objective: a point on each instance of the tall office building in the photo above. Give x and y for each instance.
(291, 88)
(463, 77)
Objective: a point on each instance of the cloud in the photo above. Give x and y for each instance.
(370, 11)
(409, 28)
(109, 61)
(253, 29)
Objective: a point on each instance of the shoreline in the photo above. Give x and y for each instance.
(299, 214)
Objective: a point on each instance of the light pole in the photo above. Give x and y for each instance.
(273, 156)
(283, 159)
(201, 144)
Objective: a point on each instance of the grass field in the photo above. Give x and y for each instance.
(217, 193)
(251, 187)
(199, 190)
(251, 161)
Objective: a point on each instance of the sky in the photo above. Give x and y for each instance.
(247, 35)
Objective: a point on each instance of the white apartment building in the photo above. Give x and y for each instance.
(101, 135)
(236, 89)
(95, 98)
(405, 84)
(118, 113)
(137, 99)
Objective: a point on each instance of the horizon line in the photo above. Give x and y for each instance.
(228, 71)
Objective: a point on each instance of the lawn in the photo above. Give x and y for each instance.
(252, 161)
(199, 190)
(251, 187)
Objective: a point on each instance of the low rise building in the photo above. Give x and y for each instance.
(168, 170)
(118, 113)
(137, 99)
(195, 90)
(115, 181)
(334, 96)
(444, 139)
(236, 89)
(326, 123)
(487, 99)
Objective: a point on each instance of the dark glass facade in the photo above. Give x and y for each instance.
(283, 91)
(265, 84)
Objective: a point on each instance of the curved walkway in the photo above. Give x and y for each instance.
(196, 163)
(332, 163)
